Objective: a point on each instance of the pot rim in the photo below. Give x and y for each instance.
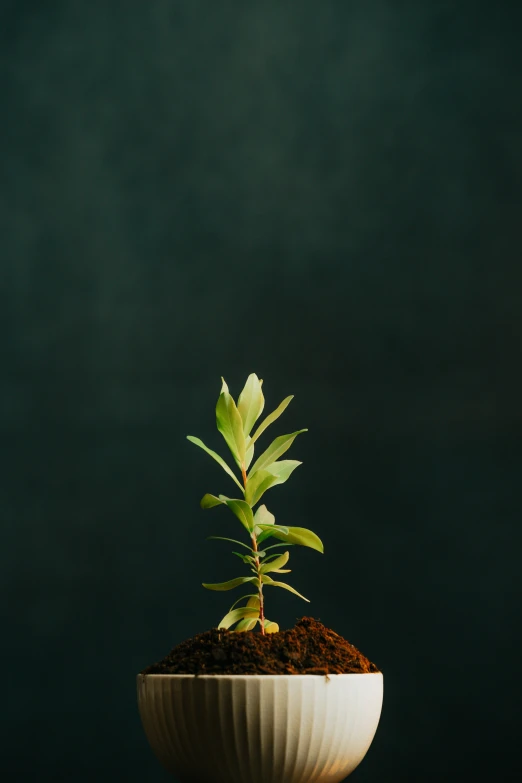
(260, 676)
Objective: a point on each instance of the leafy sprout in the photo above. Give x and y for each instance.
(235, 421)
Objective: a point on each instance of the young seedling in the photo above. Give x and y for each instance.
(235, 422)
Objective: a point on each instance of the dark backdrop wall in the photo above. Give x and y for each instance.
(327, 194)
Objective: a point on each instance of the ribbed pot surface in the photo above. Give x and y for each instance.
(260, 729)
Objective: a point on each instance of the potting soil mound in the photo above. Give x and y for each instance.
(308, 648)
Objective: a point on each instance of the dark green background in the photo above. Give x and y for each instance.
(327, 194)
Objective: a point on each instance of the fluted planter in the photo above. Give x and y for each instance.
(260, 728)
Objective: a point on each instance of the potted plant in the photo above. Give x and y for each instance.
(231, 706)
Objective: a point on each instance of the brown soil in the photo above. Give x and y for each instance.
(308, 648)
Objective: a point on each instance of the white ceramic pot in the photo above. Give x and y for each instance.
(242, 728)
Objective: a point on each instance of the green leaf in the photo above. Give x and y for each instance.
(218, 459)
(274, 451)
(238, 614)
(244, 558)
(258, 485)
(249, 452)
(230, 425)
(222, 586)
(263, 516)
(267, 580)
(276, 473)
(273, 546)
(271, 627)
(250, 403)
(272, 417)
(234, 541)
(271, 530)
(248, 595)
(283, 469)
(246, 625)
(273, 555)
(279, 562)
(296, 535)
(243, 512)
(209, 501)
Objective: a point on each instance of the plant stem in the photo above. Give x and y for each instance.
(258, 564)
(261, 601)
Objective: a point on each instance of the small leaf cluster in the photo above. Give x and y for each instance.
(235, 421)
